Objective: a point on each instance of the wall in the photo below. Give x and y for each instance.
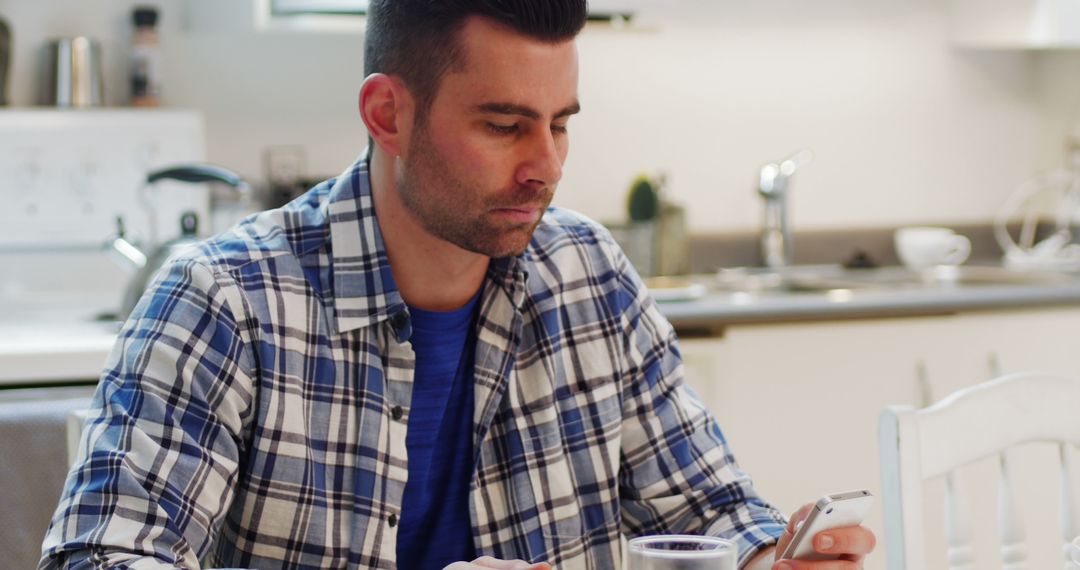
(905, 128)
(1058, 75)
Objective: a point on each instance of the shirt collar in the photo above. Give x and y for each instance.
(510, 274)
(364, 288)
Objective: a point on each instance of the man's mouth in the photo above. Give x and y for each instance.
(519, 214)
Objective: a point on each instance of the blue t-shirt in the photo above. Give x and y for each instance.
(436, 529)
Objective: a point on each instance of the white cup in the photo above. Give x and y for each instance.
(921, 247)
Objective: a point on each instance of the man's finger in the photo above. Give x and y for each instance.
(849, 540)
(797, 518)
(820, 565)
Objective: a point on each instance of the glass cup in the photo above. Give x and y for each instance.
(682, 552)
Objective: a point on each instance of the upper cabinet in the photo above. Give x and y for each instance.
(608, 7)
(1015, 24)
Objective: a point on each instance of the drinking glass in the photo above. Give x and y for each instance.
(682, 552)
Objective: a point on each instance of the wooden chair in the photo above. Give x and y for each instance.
(969, 425)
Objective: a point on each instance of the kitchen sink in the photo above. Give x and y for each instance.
(796, 279)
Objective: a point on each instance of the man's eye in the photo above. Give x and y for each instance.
(558, 129)
(502, 129)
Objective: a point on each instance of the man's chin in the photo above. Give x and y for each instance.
(509, 246)
(507, 251)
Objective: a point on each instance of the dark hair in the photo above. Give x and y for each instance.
(417, 40)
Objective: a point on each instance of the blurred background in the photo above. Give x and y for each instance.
(917, 111)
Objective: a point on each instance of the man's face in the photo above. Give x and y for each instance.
(484, 165)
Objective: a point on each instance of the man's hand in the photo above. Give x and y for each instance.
(489, 562)
(851, 544)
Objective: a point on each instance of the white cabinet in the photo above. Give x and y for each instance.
(799, 403)
(1024, 24)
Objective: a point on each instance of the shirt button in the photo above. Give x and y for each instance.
(397, 412)
(398, 320)
(392, 521)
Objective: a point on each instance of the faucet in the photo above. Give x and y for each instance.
(777, 248)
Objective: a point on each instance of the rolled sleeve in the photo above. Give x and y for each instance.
(678, 474)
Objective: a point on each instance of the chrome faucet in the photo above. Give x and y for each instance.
(777, 249)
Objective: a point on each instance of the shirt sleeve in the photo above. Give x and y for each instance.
(677, 473)
(159, 453)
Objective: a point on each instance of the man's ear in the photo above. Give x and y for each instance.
(387, 110)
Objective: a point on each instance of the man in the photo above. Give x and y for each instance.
(416, 364)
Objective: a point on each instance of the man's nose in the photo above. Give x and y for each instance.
(543, 163)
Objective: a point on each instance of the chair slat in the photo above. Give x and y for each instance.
(1010, 523)
(1070, 508)
(961, 554)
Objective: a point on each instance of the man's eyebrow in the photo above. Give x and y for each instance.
(527, 112)
(573, 109)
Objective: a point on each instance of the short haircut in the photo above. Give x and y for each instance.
(418, 40)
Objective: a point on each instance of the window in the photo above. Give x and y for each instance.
(359, 8)
(297, 7)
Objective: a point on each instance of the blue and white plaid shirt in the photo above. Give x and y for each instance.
(253, 412)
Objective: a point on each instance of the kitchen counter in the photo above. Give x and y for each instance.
(717, 307)
(53, 349)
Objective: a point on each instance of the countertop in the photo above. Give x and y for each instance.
(52, 349)
(718, 309)
(978, 288)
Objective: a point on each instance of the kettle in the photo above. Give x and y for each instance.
(148, 265)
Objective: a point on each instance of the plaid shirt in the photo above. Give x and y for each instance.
(254, 409)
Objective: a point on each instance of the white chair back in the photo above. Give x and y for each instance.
(969, 425)
(76, 420)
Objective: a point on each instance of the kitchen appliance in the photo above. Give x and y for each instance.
(1053, 196)
(65, 178)
(147, 265)
(73, 76)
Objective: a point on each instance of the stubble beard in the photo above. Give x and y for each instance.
(454, 211)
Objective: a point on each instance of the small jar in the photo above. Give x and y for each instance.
(145, 58)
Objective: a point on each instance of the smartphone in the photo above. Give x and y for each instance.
(831, 511)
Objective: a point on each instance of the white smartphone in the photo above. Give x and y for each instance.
(831, 511)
